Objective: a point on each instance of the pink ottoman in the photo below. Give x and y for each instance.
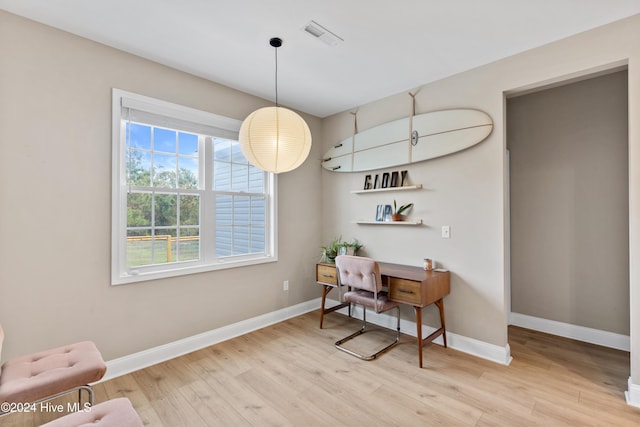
(42, 375)
(117, 413)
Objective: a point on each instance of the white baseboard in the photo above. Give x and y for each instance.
(162, 353)
(133, 362)
(580, 333)
(633, 394)
(494, 353)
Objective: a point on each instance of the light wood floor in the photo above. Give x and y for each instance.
(290, 374)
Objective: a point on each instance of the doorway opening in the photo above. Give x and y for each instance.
(569, 209)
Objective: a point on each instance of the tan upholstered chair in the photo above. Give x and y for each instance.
(362, 276)
(112, 413)
(48, 374)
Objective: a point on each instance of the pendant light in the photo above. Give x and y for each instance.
(275, 139)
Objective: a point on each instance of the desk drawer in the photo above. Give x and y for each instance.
(403, 290)
(326, 274)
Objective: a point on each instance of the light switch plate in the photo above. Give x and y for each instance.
(446, 232)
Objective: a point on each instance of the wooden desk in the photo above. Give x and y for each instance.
(406, 284)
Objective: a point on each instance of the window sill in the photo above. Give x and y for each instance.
(143, 276)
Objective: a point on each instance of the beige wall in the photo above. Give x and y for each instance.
(569, 203)
(468, 190)
(55, 169)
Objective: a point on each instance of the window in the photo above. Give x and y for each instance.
(185, 199)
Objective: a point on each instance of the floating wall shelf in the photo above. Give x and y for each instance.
(380, 190)
(412, 222)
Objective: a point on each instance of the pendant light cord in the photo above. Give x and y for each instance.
(276, 42)
(276, 50)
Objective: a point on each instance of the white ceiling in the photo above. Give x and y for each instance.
(389, 46)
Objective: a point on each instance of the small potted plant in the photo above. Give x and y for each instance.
(353, 247)
(397, 215)
(330, 252)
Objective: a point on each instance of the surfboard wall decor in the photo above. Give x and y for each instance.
(409, 140)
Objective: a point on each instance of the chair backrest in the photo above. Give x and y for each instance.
(359, 272)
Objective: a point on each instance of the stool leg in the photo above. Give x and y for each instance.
(91, 396)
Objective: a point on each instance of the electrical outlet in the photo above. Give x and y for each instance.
(285, 285)
(446, 232)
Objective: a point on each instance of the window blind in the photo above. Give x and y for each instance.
(184, 118)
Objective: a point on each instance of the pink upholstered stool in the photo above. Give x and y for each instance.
(117, 413)
(51, 373)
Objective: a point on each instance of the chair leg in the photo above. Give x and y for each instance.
(91, 394)
(398, 323)
(361, 331)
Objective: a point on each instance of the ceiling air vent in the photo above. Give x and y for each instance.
(317, 31)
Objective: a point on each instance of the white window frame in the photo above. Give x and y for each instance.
(226, 128)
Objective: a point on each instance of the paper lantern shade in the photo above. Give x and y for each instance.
(275, 139)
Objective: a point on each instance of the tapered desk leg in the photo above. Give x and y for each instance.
(440, 304)
(440, 331)
(418, 311)
(325, 290)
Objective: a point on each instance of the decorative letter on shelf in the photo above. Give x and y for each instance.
(385, 180)
(367, 182)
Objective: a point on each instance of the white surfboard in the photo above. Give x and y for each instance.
(406, 141)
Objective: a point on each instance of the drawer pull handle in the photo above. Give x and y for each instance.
(404, 291)
(326, 275)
